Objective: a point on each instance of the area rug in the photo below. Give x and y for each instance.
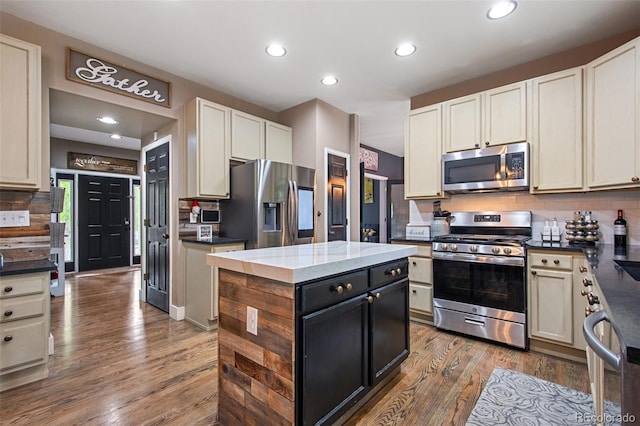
(511, 398)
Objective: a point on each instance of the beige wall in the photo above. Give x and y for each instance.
(552, 63)
(54, 47)
(61, 147)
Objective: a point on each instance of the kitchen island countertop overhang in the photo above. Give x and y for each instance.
(300, 263)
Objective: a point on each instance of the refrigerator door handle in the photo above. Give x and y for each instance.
(292, 210)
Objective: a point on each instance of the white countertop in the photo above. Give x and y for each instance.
(295, 264)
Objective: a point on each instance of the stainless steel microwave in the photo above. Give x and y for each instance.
(497, 168)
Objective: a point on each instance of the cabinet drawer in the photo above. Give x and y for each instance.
(388, 272)
(420, 269)
(550, 260)
(327, 292)
(15, 308)
(226, 248)
(21, 285)
(421, 297)
(22, 342)
(424, 251)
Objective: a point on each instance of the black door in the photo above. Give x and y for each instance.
(334, 360)
(337, 198)
(389, 329)
(104, 232)
(157, 222)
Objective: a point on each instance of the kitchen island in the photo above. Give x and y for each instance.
(308, 333)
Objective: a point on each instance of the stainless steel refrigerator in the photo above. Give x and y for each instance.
(271, 205)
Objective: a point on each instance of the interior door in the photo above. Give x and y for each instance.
(337, 198)
(104, 231)
(157, 223)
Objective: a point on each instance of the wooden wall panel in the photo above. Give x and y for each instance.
(26, 242)
(256, 372)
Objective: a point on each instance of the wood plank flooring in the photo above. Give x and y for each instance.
(120, 361)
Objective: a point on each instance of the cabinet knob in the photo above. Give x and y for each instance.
(593, 299)
(587, 282)
(414, 263)
(486, 143)
(584, 292)
(395, 272)
(477, 145)
(556, 262)
(414, 291)
(8, 313)
(8, 289)
(535, 187)
(589, 310)
(370, 298)
(339, 289)
(8, 338)
(544, 261)
(534, 273)
(635, 179)
(165, 236)
(437, 193)
(583, 269)
(349, 286)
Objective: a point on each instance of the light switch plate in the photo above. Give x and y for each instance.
(14, 218)
(252, 320)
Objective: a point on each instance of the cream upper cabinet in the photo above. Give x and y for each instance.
(556, 143)
(208, 146)
(247, 136)
(494, 117)
(278, 142)
(20, 115)
(613, 118)
(422, 153)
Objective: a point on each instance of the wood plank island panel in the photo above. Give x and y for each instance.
(256, 371)
(26, 242)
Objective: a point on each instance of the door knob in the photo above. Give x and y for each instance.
(165, 236)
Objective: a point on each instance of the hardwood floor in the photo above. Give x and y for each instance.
(119, 361)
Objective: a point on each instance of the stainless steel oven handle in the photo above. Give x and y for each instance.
(466, 257)
(474, 322)
(611, 358)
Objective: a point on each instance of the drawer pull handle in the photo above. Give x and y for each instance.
(8, 338)
(414, 263)
(349, 287)
(394, 272)
(583, 269)
(557, 262)
(534, 273)
(8, 289)
(474, 322)
(544, 260)
(339, 289)
(8, 313)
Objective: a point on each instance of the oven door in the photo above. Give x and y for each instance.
(487, 281)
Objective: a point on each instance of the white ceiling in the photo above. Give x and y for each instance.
(221, 44)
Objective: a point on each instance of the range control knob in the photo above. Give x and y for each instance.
(445, 246)
(507, 250)
(495, 250)
(473, 249)
(454, 247)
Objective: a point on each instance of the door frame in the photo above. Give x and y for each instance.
(175, 312)
(325, 179)
(74, 202)
(382, 214)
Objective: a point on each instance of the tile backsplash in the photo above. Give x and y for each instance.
(603, 205)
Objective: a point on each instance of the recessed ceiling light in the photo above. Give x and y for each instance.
(114, 136)
(276, 50)
(405, 49)
(502, 9)
(107, 120)
(329, 80)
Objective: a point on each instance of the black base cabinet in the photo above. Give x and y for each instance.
(352, 332)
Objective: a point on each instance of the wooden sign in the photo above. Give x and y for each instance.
(99, 163)
(87, 69)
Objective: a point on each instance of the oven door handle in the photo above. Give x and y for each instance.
(467, 257)
(611, 358)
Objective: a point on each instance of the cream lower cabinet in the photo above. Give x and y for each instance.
(201, 304)
(550, 287)
(421, 285)
(24, 329)
(423, 150)
(613, 118)
(208, 135)
(20, 115)
(556, 144)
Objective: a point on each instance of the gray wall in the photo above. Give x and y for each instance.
(60, 148)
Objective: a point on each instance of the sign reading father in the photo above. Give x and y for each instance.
(95, 72)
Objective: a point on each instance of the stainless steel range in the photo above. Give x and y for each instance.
(479, 276)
